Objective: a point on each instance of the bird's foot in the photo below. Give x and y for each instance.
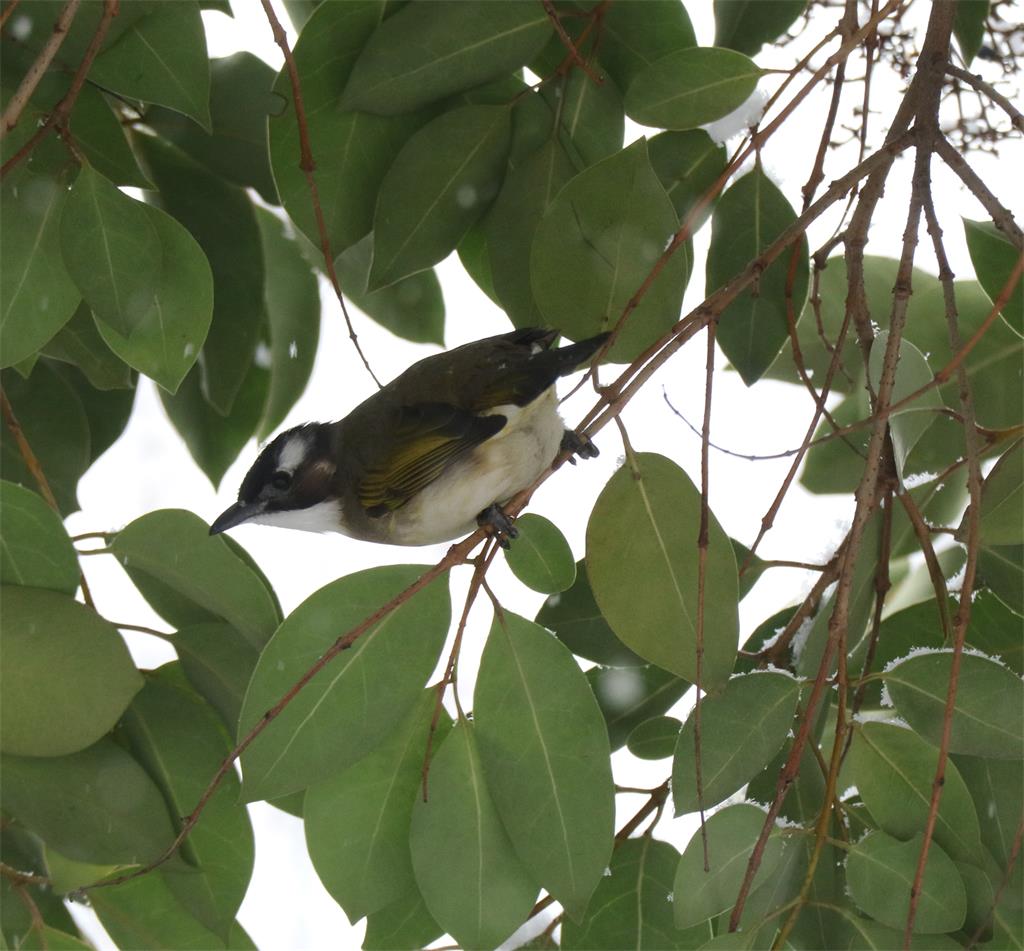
(578, 445)
(494, 521)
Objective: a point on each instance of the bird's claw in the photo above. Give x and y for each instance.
(578, 445)
(496, 523)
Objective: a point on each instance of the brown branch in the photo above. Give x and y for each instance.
(63, 108)
(308, 167)
(566, 40)
(21, 878)
(41, 64)
(935, 572)
(9, 8)
(976, 82)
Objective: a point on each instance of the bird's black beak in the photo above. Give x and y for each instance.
(229, 518)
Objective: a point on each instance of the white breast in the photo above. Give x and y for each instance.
(494, 472)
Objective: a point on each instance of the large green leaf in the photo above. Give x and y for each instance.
(642, 561)
(240, 102)
(80, 344)
(439, 184)
(304, 744)
(731, 835)
(292, 302)
(405, 923)
(989, 699)
(97, 805)
(179, 740)
(687, 165)
(880, 871)
(546, 758)
(893, 769)
(37, 295)
(691, 87)
(98, 132)
(35, 549)
(997, 788)
(742, 728)
(596, 244)
(175, 547)
(66, 677)
(993, 257)
(748, 217)
(1002, 501)
(357, 823)
(166, 340)
(218, 662)
(591, 114)
(634, 35)
(161, 58)
(467, 870)
(575, 618)
(745, 25)
(222, 219)
(111, 249)
(655, 738)
(631, 908)
(629, 696)
(353, 149)
(1000, 569)
(427, 51)
(541, 558)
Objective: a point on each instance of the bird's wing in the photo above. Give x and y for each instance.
(429, 437)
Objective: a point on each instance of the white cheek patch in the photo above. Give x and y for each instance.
(322, 517)
(292, 453)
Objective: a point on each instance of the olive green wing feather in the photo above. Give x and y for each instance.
(428, 439)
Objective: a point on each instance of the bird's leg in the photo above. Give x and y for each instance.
(494, 520)
(578, 445)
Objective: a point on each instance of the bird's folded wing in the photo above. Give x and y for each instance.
(429, 438)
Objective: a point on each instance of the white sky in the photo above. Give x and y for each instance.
(149, 468)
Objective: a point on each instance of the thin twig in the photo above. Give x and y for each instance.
(308, 167)
(566, 40)
(975, 81)
(1007, 875)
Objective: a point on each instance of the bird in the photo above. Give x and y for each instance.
(430, 456)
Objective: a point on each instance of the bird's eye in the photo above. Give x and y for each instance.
(281, 480)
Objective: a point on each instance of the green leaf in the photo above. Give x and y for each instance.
(993, 630)
(106, 411)
(596, 244)
(37, 295)
(591, 114)
(439, 184)
(687, 165)
(989, 698)
(742, 728)
(218, 662)
(993, 257)
(54, 423)
(405, 923)
(575, 618)
(97, 805)
(357, 823)
(98, 132)
(908, 425)
(79, 344)
(691, 87)
(215, 440)
(635, 35)
(222, 219)
(997, 788)
(67, 675)
(631, 908)
(655, 738)
(361, 147)
(511, 225)
(475, 256)
(629, 696)
(161, 58)
(111, 249)
(471, 880)
(748, 217)
(746, 25)
(35, 549)
(546, 758)
(304, 745)
(1002, 501)
(642, 562)
(180, 742)
(412, 308)
(969, 27)
(292, 301)
(240, 102)
(174, 547)
(1000, 569)
(731, 834)
(165, 342)
(893, 769)
(423, 53)
(541, 557)
(880, 871)
(23, 851)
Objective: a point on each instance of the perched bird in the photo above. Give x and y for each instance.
(428, 457)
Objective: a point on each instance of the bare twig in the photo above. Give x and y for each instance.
(974, 80)
(566, 40)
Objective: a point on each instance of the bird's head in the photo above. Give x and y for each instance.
(291, 484)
